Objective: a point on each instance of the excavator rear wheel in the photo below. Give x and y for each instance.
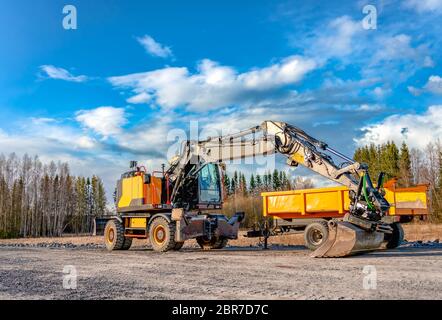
(315, 234)
(114, 235)
(162, 235)
(395, 239)
(213, 243)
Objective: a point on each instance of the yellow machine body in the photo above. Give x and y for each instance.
(134, 194)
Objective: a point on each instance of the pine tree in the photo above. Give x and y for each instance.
(266, 182)
(233, 186)
(405, 166)
(258, 183)
(285, 182)
(269, 181)
(252, 184)
(226, 183)
(276, 181)
(374, 160)
(243, 184)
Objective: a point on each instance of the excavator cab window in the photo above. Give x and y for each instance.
(209, 184)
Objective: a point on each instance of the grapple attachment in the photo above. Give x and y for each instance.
(347, 239)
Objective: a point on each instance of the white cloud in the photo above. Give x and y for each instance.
(381, 92)
(414, 91)
(143, 97)
(106, 121)
(154, 48)
(434, 84)
(399, 47)
(337, 39)
(416, 130)
(149, 138)
(53, 72)
(423, 6)
(213, 86)
(370, 107)
(43, 120)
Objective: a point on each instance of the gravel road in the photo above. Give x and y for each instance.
(284, 272)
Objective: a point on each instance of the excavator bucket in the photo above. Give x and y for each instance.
(347, 239)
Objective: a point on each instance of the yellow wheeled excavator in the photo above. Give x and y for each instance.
(183, 201)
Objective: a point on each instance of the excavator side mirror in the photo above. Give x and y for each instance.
(147, 178)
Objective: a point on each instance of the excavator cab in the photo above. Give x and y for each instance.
(201, 187)
(209, 185)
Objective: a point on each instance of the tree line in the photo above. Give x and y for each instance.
(410, 166)
(269, 181)
(38, 199)
(244, 194)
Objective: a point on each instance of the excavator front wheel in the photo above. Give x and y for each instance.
(178, 246)
(114, 236)
(213, 243)
(315, 234)
(162, 235)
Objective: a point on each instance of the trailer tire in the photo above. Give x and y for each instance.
(213, 244)
(162, 234)
(114, 235)
(397, 237)
(315, 234)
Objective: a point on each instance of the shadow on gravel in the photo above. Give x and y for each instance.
(402, 252)
(235, 249)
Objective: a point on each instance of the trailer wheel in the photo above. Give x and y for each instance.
(162, 235)
(213, 243)
(315, 234)
(395, 239)
(114, 235)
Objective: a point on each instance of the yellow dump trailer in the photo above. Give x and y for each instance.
(333, 202)
(309, 210)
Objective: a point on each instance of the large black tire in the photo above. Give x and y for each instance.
(397, 237)
(127, 244)
(162, 235)
(315, 234)
(178, 246)
(213, 243)
(114, 235)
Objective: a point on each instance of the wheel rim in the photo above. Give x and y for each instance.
(159, 235)
(316, 237)
(110, 235)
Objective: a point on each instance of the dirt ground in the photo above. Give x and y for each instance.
(33, 269)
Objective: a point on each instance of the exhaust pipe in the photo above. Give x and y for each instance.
(346, 239)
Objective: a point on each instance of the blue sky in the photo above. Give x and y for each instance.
(114, 88)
